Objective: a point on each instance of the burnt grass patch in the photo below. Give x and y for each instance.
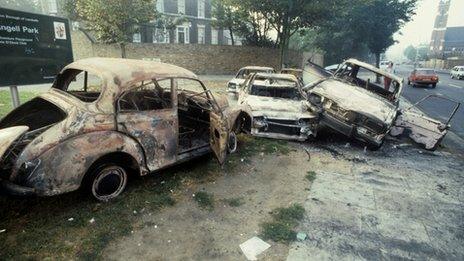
(60, 227)
(281, 227)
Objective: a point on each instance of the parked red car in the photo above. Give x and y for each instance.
(422, 76)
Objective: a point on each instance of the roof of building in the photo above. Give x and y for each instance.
(454, 36)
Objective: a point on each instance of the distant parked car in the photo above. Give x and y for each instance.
(233, 86)
(457, 72)
(422, 76)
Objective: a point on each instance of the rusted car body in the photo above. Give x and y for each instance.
(362, 102)
(140, 117)
(298, 73)
(272, 107)
(233, 86)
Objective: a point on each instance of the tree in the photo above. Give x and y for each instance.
(411, 53)
(378, 20)
(21, 5)
(112, 21)
(286, 17)
(227, 16)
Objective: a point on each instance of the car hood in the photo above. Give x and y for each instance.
(275, 107)
(353, 98)
(9, 135)
(237, 81)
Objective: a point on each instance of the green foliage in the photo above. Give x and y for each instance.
(410, 52)
(234, 202)
(280, 229)
(21, 5)
(311, 175)
(204, 200)
(112, 21)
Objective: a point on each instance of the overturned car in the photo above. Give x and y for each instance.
(362, 102)
(272, 106)
(104, 119)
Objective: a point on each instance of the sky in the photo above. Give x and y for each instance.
(419, 30)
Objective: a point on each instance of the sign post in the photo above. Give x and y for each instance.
(14, 96)
(33, 49)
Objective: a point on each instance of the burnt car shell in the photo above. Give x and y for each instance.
(56, 139)
(274, 108)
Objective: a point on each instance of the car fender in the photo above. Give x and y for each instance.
(62, 168)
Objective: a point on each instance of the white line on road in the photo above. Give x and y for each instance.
(456, 86)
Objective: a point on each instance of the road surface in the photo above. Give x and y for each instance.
(437, 108)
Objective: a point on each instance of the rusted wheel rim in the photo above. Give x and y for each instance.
(109, 183)
(232, 143)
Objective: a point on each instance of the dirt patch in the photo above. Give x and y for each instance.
(264, 182)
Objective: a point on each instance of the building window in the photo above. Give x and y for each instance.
(160, 35)
(201, 34)
(214, 36)
(160, 6)
(52, 7)
(137, 37)
(181, 6)
(201, 8)
(182, 34)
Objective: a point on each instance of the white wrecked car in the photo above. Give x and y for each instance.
(233, 85)
(272, 106)
(362, 102)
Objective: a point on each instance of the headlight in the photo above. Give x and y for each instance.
(27, 170)
(259, 122)
(232, 85)
(314, 98)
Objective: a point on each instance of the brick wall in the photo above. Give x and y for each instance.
(201, 59)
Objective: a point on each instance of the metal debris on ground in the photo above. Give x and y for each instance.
(2, 230)
(91, 221)
(70, 219)
(253, 247)
(301, 236)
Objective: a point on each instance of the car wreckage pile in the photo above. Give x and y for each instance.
(104, 118)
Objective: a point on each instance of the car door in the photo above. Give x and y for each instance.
(219, 125)
(148, 113)
(423, 129)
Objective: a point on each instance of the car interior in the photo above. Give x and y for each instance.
(193, 109)
(81, 84)
(274, 87)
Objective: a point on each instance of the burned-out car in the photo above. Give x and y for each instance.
(233, 86)
(272, 106)
(362, 101)
(104, 119)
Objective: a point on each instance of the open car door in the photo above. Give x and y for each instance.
(219, 131)
(424, 130)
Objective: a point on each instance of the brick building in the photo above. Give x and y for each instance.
(196, 27)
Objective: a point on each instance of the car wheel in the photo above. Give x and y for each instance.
(375, 146)
(232, 143)
(107, 181)
(434, 85)
(409, 82)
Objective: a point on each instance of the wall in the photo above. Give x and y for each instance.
(201, 59)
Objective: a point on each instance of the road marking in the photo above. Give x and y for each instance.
(455, 86)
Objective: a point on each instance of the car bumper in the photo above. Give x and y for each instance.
(271, 128)
(425, 82)
(13, 189)
(350, 130)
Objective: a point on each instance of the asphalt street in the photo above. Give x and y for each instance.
(437, 108)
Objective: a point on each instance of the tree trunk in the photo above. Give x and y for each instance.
(123, 50)
(231, 36)
(377, 64)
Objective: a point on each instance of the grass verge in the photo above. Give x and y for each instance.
(284, 220)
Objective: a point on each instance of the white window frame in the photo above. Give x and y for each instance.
(137, 37)
(164, 31)
(201, 7)
(160, 6)
(186, 33)
(181, 6)
(214, 36)
(203, 28)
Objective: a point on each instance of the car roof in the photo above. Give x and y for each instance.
(123, 72)
(257, 68)
(374, 69)
(282, 76)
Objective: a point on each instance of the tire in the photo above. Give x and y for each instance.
(452, 76)
(232, 143)
(374, 146)
(107, 181)
(409, 82)
(434, 85)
